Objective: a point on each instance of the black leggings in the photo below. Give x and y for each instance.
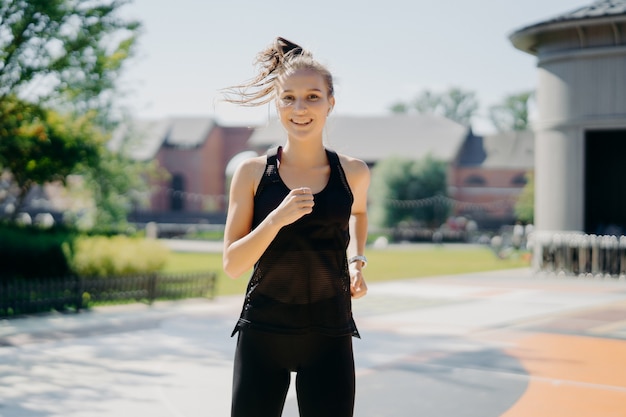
(263, 362)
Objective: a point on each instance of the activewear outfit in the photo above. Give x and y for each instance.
(297, 313)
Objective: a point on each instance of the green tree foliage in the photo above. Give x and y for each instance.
(118, 184)
(455, 104)
(525, 205)
(404, 190)
(59, 65)
(53, 146)
(399, 108)
(44, 146)
(512, 114)
(63, 52)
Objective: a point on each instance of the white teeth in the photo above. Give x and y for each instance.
(302, 123)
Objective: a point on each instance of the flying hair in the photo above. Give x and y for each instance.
(279, 59)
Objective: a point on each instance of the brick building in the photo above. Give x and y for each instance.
(488, 174)
(194, 151)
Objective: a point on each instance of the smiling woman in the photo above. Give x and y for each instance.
(289, 221)
(303, 103)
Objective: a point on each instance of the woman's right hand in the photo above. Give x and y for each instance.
(298, 203)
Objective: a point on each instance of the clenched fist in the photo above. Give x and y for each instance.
(299, 202)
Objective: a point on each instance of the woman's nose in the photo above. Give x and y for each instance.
(299, 105)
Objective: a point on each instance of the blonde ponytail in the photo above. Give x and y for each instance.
(280, 58)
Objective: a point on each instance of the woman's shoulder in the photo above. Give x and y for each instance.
(357, 174)
(249, 173)
(251, 169)
(353, 165)
(253, 165)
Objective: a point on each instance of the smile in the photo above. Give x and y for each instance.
(301, 123)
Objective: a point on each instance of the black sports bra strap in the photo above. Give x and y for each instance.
(271, 169)
(333, 158)
(272, 154)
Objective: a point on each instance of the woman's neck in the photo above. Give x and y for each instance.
(304, 154)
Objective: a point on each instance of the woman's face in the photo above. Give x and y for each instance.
(303, 103)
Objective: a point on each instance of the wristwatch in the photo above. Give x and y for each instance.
(361, 258)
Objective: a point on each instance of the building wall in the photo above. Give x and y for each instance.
(221, 146)
(578, 90)
(186, 163)
(493, 200)
(203, 170)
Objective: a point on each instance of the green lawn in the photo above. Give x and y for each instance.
(384, 265)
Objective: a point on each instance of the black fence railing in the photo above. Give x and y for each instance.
(21, 296)
(582, 255)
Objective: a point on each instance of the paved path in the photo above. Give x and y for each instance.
(479, 345)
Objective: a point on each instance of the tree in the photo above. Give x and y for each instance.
(525, 205)
(63, 53)
(455, 104)
(399, 108)
(460, 105)
(408, 190)
(429, 102)
(117, 183)
(59, 65)
(512, 114)
(44, 146)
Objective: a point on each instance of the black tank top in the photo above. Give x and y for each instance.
(301, 282)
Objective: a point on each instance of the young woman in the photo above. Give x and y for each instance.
(289, 219)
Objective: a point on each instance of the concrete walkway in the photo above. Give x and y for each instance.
(490, 344)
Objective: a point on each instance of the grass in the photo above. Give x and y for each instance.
(384, 264)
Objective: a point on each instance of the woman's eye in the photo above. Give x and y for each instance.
(313, 97)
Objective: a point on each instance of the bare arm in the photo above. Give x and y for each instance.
(358, 176)
(242, 245)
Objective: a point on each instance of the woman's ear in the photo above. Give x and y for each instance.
(332, 104)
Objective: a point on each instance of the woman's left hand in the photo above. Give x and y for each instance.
(358, 287)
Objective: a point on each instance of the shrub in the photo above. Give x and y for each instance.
(117, 255)
(28, 251)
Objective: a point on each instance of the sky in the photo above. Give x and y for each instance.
(379, 52)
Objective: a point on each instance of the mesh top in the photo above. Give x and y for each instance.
(301, 282)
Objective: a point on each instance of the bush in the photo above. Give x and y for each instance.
(406, 190)
(117, 255)
(28, 251)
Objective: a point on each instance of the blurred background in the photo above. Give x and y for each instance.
(115, 145)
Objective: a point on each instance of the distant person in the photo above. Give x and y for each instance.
(288, 219)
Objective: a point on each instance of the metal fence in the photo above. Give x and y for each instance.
(27, 296)
(582, 255)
